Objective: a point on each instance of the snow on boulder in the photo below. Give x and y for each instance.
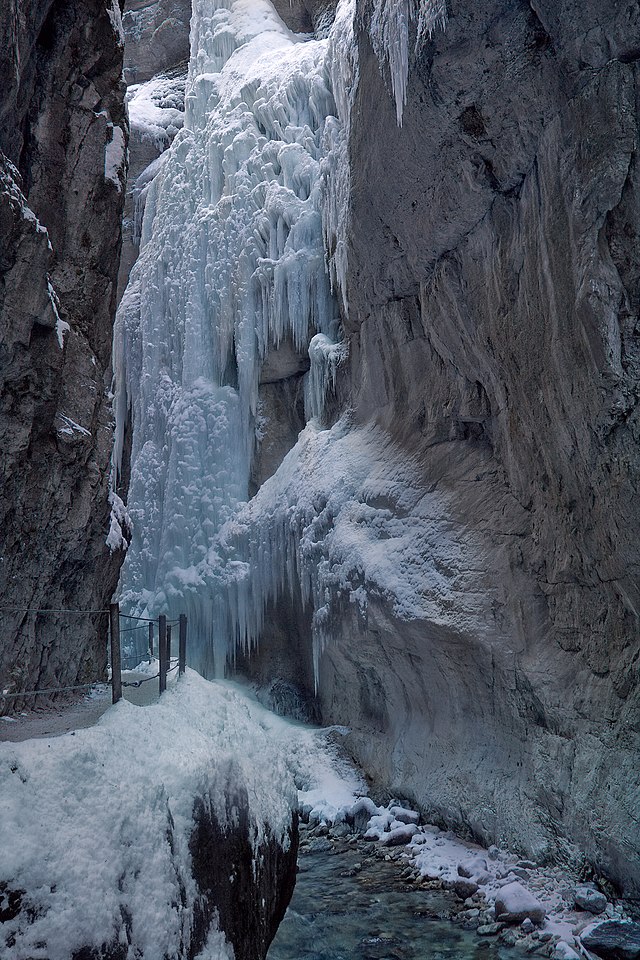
(514, 903)
(360, 814)
(399, 834)
(472, 867)
(404, 815)
(162, 827)
(563, 951)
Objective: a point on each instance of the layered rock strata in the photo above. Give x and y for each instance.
(63, 136)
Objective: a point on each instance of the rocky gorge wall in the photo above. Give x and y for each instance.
(493, 287)
(63, 133)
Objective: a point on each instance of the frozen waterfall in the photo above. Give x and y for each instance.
(232, 263)
(243, 249)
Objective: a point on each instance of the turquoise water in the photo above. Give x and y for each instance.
(350, 905)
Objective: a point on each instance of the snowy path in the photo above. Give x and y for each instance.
(66, 716)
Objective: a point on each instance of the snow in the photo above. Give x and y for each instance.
(70, 426)
(344, 519)
(115, 156)
(119, 522)
(62, 327)
(98, 821)
(156, 108)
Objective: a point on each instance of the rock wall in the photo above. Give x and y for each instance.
(155, 69)
(494, 288)
(63, 137)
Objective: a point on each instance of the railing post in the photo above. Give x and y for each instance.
(151, 639)
(162, 651)
(168, 647)
(116, 669)
(182, 645)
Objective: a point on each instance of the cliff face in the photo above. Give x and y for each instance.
(494, 286)
(62, 165)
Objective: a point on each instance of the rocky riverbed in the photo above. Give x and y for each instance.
(377, 884)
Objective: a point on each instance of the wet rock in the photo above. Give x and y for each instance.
(465, 888)
(319, 845)
(493, 852)
(614, 940)
(490, 929)
(514, 904)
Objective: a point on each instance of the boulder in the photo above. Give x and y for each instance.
(586, 898)
(614, 940)
(514, 904)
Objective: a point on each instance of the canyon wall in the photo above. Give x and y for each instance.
(493, 292)
(63, 133)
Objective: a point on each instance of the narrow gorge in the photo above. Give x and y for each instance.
(320, 325)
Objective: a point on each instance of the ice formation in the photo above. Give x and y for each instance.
(345, 519)
(232, 262)
(243, 246)
(389, 31)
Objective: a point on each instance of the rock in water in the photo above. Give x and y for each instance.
(614, 940)
(514, 904)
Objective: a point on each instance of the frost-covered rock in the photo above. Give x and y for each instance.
(514, 903)
(586, 898)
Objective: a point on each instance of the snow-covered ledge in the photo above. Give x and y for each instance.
(149, 833)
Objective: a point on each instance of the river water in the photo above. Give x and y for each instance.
(349, 904)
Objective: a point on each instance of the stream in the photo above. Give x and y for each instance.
(350, 904)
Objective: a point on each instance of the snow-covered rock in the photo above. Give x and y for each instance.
(162, 828)
(514, 903)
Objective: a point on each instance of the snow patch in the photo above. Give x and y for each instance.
(115, 156)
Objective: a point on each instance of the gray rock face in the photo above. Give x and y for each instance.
(62, 165)
(155, 68)
(494, 294)
(157, 35)
(494, 289)
(614, 940)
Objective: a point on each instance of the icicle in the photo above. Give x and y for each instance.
(389, 32)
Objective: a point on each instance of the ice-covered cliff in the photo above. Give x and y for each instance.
(423, 243)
